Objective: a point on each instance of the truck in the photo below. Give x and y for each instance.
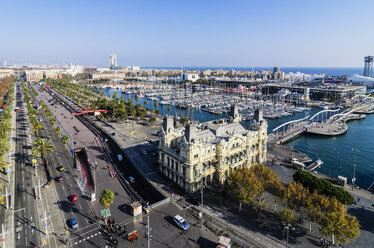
(223, 242)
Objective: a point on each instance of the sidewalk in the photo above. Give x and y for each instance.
(6, 215)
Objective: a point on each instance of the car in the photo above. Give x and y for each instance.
(60, 168)
(73, 223)
(113, 134)
(132, 179)
(181, 222)
(59, 179)
(73, 198)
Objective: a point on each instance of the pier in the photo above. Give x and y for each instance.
(325, 122)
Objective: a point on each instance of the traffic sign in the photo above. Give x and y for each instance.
(44, 242)
(46, 224)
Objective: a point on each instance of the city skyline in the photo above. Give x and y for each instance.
(193, 34)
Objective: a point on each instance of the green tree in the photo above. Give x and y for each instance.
(244, 186)
(64, 139)
(52, 121)
(152, 120)
(41, 148)
(58, 130)
(286, 216)
(106, 199)
(4, 127)
(141, 114)
(4, 146)
(36, 127)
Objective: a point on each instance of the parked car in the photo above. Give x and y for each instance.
(181, 222)
(59, 179)
(73, 223)
(60, 168)
(132, 179)
(73, 198)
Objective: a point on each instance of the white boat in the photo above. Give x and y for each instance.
(323, 106)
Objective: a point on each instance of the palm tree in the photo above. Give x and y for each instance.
(4, 127)
(52, 121)
(106, 198)
(137, 99)
(41, 148)
(145, 103)
(36, 127)
(152, 120)
(4, 146)
(157, 112)
(156, 104)
(58, 130)
(169, 109)
(64, 139)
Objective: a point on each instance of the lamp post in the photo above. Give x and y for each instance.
(287, 227)
(354, 168)
(202, 206)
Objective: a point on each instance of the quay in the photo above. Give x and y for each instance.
(314, 165)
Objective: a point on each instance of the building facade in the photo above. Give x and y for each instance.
(198, 154)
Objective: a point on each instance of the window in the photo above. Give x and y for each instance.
(168, 161)
(184, 170)
(176, 166)
(172, 164)
(196, 156)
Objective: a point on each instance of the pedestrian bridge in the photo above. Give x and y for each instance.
(328, 122)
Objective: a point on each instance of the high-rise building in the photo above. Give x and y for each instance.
(368, 66)
(113, 61)
(276, 69)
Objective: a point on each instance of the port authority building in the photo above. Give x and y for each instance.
(198, 154)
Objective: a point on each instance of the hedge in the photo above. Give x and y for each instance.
(323, 187)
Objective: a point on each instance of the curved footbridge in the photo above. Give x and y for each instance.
(325, 122)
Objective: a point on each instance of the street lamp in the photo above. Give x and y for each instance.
(354, 168)
(202, 206)
(287, 228)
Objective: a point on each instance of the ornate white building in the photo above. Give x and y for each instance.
(200, 153)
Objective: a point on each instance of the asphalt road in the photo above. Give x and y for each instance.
(26, 220)
(81, 210)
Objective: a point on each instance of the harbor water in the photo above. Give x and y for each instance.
(335, 152)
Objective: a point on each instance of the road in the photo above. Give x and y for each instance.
(26, 220)
(88, 228)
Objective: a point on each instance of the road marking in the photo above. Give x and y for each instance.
(19, 210)
(80, 206)
(86, 220)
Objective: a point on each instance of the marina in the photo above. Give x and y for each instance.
(335, 151)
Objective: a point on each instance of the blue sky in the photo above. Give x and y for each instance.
(189, 33)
